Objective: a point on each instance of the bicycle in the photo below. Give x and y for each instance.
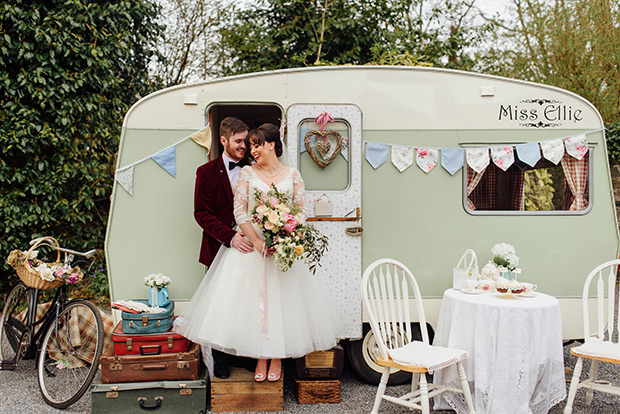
(67, 340)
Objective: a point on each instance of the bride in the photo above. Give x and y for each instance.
(245, 305)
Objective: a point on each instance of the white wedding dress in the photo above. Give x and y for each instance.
(246, 306)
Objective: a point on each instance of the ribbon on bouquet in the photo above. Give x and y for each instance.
(263, 304)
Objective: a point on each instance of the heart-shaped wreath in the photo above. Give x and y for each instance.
(323, 146)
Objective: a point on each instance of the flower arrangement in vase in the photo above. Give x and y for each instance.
(506, 259)
(158, 295)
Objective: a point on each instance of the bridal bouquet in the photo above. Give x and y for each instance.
(285, 230)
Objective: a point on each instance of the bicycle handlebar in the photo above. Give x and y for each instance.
(89, 254)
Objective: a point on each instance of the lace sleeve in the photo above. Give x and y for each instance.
(240, 204)
(299, 193)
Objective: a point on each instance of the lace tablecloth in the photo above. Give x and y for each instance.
(515, 363)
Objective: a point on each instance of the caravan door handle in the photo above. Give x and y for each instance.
(354, 231)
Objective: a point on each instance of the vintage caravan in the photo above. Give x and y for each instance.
(376, 182)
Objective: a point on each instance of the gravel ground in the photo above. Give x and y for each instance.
(19, 393)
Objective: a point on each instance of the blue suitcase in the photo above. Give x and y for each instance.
(148, 323)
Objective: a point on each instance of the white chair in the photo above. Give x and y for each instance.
(603, 344)
(386, 289)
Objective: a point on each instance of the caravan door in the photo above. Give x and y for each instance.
(333, 181)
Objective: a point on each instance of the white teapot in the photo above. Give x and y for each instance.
(489, 271)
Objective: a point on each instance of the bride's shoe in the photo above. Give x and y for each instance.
(275, 370)
(261, 370)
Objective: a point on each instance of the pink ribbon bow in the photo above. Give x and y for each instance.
(323, 119)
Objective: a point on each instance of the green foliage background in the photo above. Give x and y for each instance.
(69, 70)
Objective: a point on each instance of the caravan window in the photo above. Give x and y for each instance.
(545, 188)
(335, 176)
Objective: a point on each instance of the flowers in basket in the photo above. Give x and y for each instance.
(47, 271)
(284, 228)
(157, 280)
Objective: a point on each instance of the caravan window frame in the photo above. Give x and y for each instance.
(531, 212)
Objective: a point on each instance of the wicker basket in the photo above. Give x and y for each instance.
(31, 277)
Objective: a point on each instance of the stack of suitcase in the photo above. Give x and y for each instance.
(318, 376)
(150, 367)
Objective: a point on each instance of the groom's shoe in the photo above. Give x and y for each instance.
(221, 362)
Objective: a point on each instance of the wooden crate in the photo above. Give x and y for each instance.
(241, 393)
(321, 364)
(317, 391)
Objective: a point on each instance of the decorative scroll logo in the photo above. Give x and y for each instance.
(540, 113)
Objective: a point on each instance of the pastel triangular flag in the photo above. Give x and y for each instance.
(503, 157)
(452, 159)
(167, 160)
(553, 150)
(402, 157)
(528, 153)
(477, 158)
(203, 138)
(377, 154)
(577, 147)
(426, 158)
(124, 177)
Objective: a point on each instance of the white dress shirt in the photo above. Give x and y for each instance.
(233, 175)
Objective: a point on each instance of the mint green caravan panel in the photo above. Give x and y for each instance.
(153, 231)
(424, 218)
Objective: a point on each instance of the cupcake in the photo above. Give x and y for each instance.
(502, 285)
(515, 287)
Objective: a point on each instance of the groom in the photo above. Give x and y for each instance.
(213, 206)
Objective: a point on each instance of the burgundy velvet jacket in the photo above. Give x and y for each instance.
(213, 208)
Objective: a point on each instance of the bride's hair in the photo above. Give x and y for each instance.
(262, 134)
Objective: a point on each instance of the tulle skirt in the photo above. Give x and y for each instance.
(245, 306)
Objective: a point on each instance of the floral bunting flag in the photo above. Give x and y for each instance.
(426, 158)
(167, 160)
(553, 150)
(377, 154)
(124, 177)
(577, 147)
(503, 157)
(528, 153)
(477, 158)
(402, 157)
(452, 159)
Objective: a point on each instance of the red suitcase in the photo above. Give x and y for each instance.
(138, 368)
(148, 344)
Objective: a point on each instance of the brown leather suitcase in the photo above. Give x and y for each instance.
(321, 364)
(142, 368)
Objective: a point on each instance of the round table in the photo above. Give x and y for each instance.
(515, 363)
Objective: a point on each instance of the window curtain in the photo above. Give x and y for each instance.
(517, 178)
(576, 173)
(480, 189)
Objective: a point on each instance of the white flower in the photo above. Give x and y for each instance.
(157, 280)
(33, 255)
(45, 272)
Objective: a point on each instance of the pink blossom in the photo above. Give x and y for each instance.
(291, 223)
(423, 153)
(61, 271)
(273, 201)
(73, 279)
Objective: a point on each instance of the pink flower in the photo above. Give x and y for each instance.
(291, 223)
(61, 271)
(273, 201)
(423, 153)
(73, 279)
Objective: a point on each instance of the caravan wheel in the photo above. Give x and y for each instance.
(362, 355)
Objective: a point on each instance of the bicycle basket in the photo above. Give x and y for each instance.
(31, 276)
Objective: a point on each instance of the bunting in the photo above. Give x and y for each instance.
(166, 159)
(402, 157)
(124, 177)
(480, 157)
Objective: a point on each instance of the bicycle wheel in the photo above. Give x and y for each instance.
(14, 332)
(69, 354)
